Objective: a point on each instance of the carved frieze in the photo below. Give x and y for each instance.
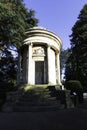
(38, 51)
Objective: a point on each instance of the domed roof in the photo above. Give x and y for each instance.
(41, 29)
(40, 34)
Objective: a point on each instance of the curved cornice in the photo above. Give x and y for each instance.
(34, 32)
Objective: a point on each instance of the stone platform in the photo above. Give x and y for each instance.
(37, 98)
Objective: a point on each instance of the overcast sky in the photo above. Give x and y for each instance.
(59, 16)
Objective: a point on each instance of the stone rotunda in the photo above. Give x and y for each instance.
(39, 61)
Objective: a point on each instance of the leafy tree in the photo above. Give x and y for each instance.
(77, 62)
(15, 19)
(63, 59)
(7, 67)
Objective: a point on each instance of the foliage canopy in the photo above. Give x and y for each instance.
(15, 19)
(76, 67)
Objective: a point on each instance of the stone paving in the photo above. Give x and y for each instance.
(66, 119)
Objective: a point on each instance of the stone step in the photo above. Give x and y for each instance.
(36, 103)
(29, 95)
(36, 108)
(35, 98)
(50, 100)
(13, 95)
(36, 95)
(40, 107)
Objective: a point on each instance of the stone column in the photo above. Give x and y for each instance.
(58, 69)
(49, 64)
(30, 64)
(19, 69)
(24, 64)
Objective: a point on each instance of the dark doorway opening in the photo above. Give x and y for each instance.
(39, 72)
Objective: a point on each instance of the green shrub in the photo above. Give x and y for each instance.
(6, 87)
(75, 86)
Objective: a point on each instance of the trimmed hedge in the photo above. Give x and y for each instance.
(75, 87)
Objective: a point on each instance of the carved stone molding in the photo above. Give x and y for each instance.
(38, 51)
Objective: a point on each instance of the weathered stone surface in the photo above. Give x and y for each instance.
(39, 58)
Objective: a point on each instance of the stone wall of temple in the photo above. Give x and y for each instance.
(40, 58)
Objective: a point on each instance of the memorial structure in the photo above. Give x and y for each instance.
(39, 61)
(39, 74)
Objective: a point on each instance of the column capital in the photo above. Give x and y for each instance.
(57, 52)
(48, 45)
(30, 64)
(30, 44)
(58, 69)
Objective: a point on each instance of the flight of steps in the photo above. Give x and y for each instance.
(34, 99)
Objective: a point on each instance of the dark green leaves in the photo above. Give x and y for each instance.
(78, 58)
(15, 19)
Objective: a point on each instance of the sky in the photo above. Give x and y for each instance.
(58, 16)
